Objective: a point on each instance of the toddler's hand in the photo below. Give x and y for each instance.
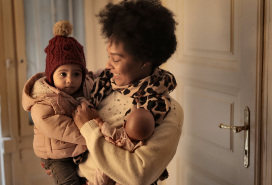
(48, 172)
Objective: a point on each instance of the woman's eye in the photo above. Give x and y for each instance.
(112, 58)
(115, 60)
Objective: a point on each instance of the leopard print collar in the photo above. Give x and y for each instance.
(150, 93)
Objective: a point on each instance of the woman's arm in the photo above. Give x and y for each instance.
(143, 166)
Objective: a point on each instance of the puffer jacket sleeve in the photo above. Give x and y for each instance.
(55, 126)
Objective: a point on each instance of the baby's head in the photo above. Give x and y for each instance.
(140, 124)
(64, 59)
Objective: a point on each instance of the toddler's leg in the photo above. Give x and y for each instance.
(64, 171)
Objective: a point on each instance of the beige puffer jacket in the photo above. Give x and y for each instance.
(55, 134)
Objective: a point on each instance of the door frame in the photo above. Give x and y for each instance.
(259, 86)
(11, 168)
(266, 140)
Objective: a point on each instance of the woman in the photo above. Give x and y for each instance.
(141, 36)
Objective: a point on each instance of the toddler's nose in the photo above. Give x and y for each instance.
(69, 79)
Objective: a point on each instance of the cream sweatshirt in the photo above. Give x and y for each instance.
(141, 167)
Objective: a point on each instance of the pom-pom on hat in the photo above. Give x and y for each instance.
(63, 50)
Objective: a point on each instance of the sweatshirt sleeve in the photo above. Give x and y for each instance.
(56, 126)
(143, 166)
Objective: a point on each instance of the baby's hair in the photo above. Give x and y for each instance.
(140, 124)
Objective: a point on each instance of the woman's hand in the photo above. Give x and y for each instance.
(99, 121)
(83, 114)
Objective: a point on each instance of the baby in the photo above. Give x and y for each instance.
(138, 127)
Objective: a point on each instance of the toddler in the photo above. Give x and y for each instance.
(52, 97)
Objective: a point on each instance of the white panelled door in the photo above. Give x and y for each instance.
(217, 66)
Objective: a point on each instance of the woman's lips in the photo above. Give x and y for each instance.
(115, 75)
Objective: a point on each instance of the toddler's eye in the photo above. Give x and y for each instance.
(77, 74)
(63, 74)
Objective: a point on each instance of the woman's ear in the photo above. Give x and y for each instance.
(147, 64)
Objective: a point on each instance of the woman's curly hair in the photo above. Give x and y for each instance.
(145, 27)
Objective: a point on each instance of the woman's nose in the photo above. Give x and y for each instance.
(109, 65)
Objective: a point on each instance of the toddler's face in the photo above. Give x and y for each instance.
(68, 78)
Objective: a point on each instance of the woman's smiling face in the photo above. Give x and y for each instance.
(124, 68)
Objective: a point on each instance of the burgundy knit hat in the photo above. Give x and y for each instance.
(63, 50)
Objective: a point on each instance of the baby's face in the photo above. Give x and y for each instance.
(68, 78)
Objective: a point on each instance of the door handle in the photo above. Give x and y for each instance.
(235, 129)
(245, 128)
